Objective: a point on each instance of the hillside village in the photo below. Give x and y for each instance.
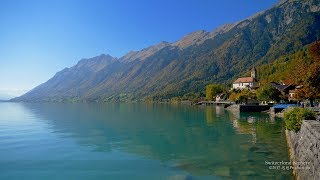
(288, 90)
(297, 84)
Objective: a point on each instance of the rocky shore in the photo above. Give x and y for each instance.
(304, 149)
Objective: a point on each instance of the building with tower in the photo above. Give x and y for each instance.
(247, 82)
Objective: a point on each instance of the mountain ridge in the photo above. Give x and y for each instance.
(167, 69)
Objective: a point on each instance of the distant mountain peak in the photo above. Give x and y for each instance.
(163, 43)
(104, 56)
(96, 63)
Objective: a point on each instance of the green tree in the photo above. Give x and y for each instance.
(268, 93)
(192, 96)
(246, 95)
(212, 90)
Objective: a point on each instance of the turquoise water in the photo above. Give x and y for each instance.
(137, 141)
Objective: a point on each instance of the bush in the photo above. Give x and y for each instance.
(293, 118)
(309, 114)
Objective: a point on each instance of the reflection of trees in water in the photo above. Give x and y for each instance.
(200, 140)
(210, 115)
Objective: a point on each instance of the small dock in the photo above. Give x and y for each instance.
(249, 108)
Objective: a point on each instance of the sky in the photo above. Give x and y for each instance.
(39, 38)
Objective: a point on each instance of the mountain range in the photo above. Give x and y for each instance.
(166, 70)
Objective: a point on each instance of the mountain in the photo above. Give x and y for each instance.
(74, 81)
(168, 69)
(293, 68)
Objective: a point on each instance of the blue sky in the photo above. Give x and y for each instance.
(39, 38)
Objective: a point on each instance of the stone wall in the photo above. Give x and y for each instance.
(304, 149)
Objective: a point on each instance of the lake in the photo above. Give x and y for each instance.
(137, 141)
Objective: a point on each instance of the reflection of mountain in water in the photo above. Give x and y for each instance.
(200, 140)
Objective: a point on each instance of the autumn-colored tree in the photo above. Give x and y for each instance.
(242, 96)
(212, 90)
(314, 51)
(234, 96)
(246, 95)
(311, 76)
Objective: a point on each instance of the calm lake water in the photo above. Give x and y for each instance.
(137, 141)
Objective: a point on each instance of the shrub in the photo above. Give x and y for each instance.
(309, 114)
(293, 118)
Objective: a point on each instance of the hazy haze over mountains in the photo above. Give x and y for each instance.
(171, 69)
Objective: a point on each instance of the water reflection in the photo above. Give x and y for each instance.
(201, 140)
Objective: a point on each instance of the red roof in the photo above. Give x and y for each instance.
(287, 82)
(245, 80)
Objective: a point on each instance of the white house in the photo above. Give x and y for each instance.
(246, 82)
